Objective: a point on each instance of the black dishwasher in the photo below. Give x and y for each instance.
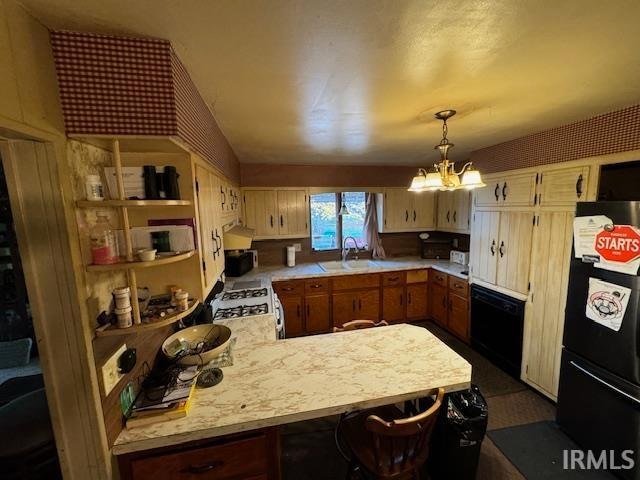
(496, 328)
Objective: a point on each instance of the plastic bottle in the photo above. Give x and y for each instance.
(104, 249)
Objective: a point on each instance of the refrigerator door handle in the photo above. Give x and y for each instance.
(603, 382)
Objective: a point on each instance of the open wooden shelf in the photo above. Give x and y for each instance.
(133, 265)
(113, 330)
(133, 203)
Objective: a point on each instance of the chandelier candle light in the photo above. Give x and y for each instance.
(445, 177)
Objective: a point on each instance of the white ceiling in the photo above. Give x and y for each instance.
(357, 81)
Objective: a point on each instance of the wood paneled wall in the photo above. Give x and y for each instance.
(265, 175)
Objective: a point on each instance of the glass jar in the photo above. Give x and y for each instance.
(104, 250)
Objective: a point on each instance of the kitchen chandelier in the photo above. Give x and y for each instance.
(445, 177)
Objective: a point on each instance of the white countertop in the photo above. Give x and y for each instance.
(310, 270)
(286, 381)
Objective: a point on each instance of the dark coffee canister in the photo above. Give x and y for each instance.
(150, 183)
(160, 183)
(171, 188)
(160, 241)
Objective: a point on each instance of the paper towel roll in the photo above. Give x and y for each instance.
(291, 256)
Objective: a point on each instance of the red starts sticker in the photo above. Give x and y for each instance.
(621, 244)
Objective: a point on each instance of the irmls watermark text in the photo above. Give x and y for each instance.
(602, 460)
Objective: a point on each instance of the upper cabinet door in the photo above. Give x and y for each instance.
(517, 190)
(563, 187)
(206, 227)
(484, 246)
(396, 203)
(461, 206)
(424, 207)
(445, 210)
(261, 212)
(488, 196)
(293, 212)
(514, 250)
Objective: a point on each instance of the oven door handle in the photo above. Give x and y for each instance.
(604, 382)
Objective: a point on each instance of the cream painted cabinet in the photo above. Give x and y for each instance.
(484, 246)
(402, 211)
(514, 250)
(500, 249)
(261, 212)
(276, 213)
(563, 187)
(424, 205)
(292, 213)
(454, 211)
(210, 226)
(515, 190)
(544, 315)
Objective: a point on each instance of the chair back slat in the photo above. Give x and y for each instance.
(358, 324)
(402, 445)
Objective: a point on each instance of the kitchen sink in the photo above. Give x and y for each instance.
(346, 266)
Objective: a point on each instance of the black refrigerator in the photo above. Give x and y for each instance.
(599, 389)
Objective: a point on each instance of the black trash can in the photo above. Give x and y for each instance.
(458, 435)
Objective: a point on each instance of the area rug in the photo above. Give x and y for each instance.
(536, 450)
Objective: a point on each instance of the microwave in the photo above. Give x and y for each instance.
(237, 263)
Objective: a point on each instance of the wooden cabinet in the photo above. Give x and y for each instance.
(293, 314)
(276, 213)
(507, 190)
(358, 305)
(458, 320)
(450, 304)
(393, 304)
(261, 212)
(306, 306)
(417, 301)
(544, 313)
(293, 213)
(402, 211)
(317, 314)
(514, 250)
(500, 248)
(210, 227)
(439, 304)
(563, 187)
(454, 210)
(252, 456)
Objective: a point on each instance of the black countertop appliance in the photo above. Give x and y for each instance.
(237, 263)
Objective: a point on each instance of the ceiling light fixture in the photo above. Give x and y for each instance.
(343, 208)
(445, 177)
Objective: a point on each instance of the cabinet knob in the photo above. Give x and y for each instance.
(204, 467)
(504, 191)
(579, 186)
(501, 249)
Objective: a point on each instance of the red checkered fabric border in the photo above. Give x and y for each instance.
(194, 117)
(134, 86)
(613, 132)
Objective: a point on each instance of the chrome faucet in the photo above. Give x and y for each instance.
(346, 250)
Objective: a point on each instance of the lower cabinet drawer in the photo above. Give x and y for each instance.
(247, 458)
(439, 278)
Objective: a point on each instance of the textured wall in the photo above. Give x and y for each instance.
(613, 132)
(134, 86)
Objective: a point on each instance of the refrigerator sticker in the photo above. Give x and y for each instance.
(607, 303)
(619, 249)
(585, 230)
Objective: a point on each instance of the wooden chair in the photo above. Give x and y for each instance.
(358, 324)
(386, 445)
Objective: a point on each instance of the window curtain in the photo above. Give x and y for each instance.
(371, 227)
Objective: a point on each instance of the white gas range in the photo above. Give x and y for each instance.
(249, 303)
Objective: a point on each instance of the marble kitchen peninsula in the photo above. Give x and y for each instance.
(274, 383)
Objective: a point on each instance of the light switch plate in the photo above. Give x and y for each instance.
(110, 373)
(298, 247)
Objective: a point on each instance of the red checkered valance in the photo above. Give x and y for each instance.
(134, 86)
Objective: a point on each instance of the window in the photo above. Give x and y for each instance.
(328, 229)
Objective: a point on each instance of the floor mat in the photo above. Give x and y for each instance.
(536, 451)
